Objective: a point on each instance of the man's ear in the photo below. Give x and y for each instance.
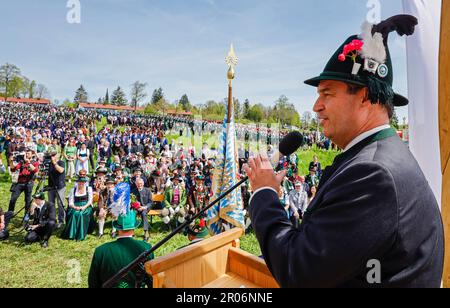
(364, 96)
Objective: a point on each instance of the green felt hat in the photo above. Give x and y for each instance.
(39, 195)
(127, 222)
(81, 179)
(365, 60)
(101, 170)
(200, 178)
(198, 230)
(110, 180)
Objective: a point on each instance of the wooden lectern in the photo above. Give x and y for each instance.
(213, 263)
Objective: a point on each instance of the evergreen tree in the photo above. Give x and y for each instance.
(185, 104)
(81, 96)
(237, 108)
(158, 95)
(246, 109)
(118, 97)
(394, 121)
(106, 100)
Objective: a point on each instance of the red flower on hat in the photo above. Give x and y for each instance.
(353, 48)
(202, 223)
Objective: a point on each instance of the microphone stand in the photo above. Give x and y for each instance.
(143, 257)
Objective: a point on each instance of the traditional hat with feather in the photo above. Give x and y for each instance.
(365, 60)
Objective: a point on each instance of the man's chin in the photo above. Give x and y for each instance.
(327, 133)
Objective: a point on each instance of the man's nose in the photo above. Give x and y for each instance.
(318, 106)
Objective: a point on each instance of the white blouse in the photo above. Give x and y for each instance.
(72, 196)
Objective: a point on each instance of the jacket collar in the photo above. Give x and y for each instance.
(342, 158)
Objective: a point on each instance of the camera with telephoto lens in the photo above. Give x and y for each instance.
(19, 157)
(46, 162)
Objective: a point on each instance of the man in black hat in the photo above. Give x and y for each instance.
(312, 179)
(137, 174)
(199, 195)
(374, 221)
(104, 202)
(102, 163)
(44, 221)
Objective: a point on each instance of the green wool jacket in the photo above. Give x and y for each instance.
(110, 258)
(169, 197)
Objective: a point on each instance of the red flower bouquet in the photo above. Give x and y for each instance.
(135, 206)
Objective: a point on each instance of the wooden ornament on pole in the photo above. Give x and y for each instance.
(444, 127)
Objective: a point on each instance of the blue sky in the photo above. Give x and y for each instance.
(181, 45)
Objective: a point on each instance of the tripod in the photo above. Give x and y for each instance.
(43, 178)
(40, 187)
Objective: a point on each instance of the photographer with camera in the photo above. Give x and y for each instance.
(56, 184)
(27, 167)
(44, 221)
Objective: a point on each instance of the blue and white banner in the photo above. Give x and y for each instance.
(230, 209)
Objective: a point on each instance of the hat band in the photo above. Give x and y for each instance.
(344, 77)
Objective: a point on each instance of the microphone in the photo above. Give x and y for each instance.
(289, 145)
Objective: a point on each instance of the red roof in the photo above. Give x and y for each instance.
(110, 107)
(183, 113)
(41, 101)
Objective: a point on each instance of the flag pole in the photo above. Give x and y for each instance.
(231, 60)
(444, 127)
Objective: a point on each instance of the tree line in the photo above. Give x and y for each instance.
(283, 112)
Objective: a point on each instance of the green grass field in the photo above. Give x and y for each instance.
(56, 267)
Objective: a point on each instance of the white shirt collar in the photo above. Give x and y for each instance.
(39, 206)
(365, 135)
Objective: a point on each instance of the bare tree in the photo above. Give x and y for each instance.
(307, 117)
(137, 93)
(42, 91)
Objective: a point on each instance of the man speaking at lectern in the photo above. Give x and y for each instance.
(373, 205)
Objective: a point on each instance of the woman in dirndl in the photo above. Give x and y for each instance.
(80, 220)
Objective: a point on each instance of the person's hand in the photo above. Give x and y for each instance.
(141, 209)
(2, 226)
(54, 160)
(261, 174)
(297, 215)
(34, 227)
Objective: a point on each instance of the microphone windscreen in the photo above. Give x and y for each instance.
(291, 143)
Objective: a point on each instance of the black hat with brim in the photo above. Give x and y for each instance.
(375, 74)
(399, 100)
(39, 196)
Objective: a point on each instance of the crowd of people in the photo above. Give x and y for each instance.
(58, 146)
